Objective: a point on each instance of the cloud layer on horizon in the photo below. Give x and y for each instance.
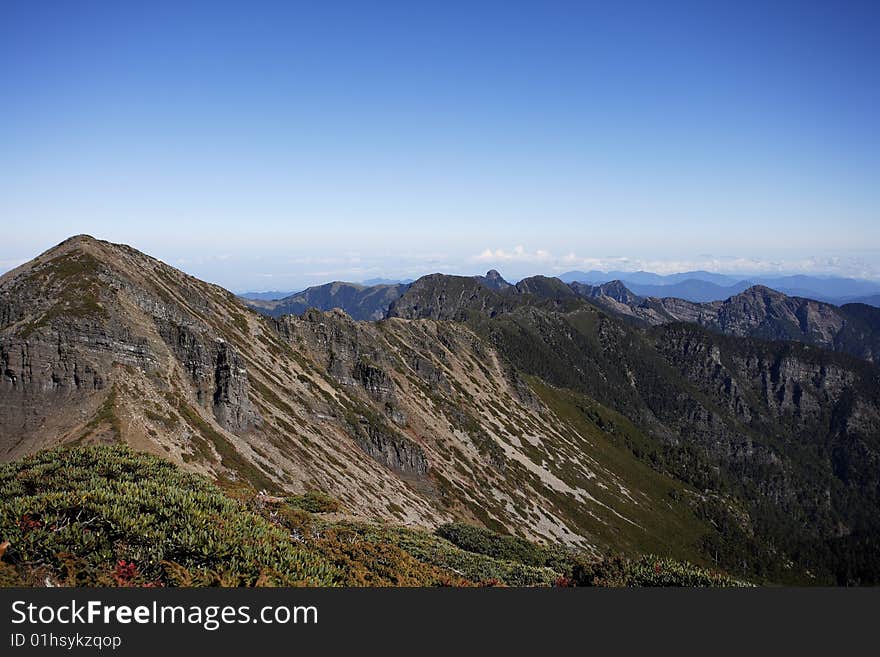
(519, 256)
(289, 271)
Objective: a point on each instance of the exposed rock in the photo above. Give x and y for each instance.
(494, 281)
(389, 447)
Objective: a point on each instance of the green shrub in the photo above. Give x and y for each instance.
(505, 547)
(313, 502)
(493, 544)
(87, 512)
(381, 563)
(9, 576)
(579, 569)
(433, 550)
(648, 570)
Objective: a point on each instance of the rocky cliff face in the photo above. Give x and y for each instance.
(86, 308)
(803, 432)
(494, 281)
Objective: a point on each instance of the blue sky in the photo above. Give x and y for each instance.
(273, 145)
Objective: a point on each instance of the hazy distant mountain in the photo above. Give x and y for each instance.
(544, 287)
(589, 277)
(361, 302)
(692, 285)
(823, 288)
(873, 300)
(691, 289)
(700, 286)
(386, 281)
(614, 290)
(756, 311)
(271, 295)
(275, 295)
(646, 277)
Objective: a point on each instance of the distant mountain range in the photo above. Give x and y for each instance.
(691, 289)
(697, 286)
(872, 300)
(708, 286)
(386, 281)
(757, 312)
(644, 277)
(744, 309)
(270, 295)
(359, 301)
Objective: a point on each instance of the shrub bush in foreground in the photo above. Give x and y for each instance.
(106, 515)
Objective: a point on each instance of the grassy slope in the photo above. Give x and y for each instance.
(108, 516)
(664, 521)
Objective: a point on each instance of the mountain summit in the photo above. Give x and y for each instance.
(494, 281)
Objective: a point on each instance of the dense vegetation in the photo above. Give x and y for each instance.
(575, 569)
(107, 516)
(793, 493)
(104, 515)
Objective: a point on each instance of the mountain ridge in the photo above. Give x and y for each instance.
(754, 412)
(708, 286)
(760, 312)
(531, 409)
(397, 419)
(361, 302)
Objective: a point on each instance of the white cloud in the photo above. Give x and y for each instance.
(733, 265)
(518, 254)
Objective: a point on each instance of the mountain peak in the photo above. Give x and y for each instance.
(545, 287)
(83, 248)
(616, 290)
(616, 285)
(762, 291)
(75, 243)
(494, 280)
(82, 238)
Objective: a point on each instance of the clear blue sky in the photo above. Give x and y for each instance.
(271, 145)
